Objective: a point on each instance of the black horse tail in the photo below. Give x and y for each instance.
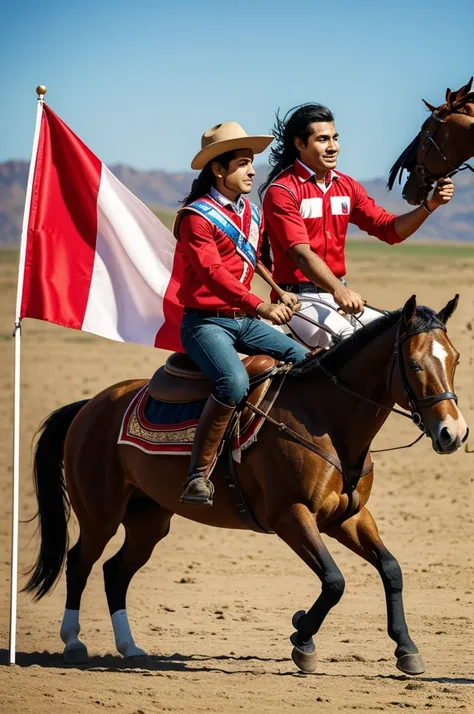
(54, 508)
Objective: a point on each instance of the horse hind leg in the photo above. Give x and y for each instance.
(80, 560)
(145, 523)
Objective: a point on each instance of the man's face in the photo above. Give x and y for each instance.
(321, 149)
(238, 177)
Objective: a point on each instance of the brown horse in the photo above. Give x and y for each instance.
(315, 477)
(445, 143)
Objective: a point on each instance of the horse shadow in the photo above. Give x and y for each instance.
(143, 665)
(156, 664)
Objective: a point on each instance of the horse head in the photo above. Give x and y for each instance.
(445, 142)
(424, 382)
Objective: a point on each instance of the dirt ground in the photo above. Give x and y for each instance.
(213, 609)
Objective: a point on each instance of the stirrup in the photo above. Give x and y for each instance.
(199, 491)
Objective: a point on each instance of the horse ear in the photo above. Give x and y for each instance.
(467, 87)
(448, 94)
(460, 94)
(430, 106)
(448, 310)
(409, 310)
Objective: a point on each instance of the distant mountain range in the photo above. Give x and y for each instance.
(163, 190)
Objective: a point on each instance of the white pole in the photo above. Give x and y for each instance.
(41, 91)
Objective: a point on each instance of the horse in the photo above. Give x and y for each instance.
(309, 472)
(444, 144)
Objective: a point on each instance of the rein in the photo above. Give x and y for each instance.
(297, 437)
(414, 403)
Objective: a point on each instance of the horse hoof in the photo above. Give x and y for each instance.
(141, 661)
(131, 651)
(411, 663)
(76, 655)
(305, 661)
(304, 655)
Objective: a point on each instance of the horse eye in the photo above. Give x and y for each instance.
(414, 365)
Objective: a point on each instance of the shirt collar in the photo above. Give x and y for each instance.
(304, 173)
(236, 206)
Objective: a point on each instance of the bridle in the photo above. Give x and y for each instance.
(415, 404)
(425, 180)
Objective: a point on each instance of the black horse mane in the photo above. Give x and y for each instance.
(406, 161)
(340, 354)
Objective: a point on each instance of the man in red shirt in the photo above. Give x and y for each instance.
(308, 206)
(220, 235)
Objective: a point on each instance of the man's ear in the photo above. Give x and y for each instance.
(216, 169)
(299, 143)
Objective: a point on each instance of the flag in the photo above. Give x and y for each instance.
(96, 258)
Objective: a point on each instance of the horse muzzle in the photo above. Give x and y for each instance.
(448, 438)
(416, 187)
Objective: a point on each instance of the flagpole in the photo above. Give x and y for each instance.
(40, 91)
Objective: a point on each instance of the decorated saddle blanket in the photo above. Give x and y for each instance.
(168, 429)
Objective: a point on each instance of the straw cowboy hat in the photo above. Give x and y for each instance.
(227, 136)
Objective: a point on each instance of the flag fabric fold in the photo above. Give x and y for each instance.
(96, 258)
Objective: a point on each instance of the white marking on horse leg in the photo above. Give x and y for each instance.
(70, 629)
(124, 641)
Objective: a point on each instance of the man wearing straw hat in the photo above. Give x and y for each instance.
(220, 233)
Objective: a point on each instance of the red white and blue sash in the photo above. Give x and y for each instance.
(245, 245)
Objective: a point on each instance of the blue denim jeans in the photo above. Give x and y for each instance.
(213, 344)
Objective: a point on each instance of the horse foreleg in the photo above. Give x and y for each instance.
(145, 523)
(360, 535)
(297, 527)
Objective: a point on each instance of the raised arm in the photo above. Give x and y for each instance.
(387, 227)
(408, 223)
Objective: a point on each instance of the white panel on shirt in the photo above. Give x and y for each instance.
(311, 207)
(340, 205)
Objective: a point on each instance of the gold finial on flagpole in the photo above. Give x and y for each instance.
(41, 91)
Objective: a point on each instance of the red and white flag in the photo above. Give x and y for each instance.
(96, 258)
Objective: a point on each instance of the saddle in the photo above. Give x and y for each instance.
(180, 380)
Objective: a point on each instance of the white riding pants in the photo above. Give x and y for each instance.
(322, 308)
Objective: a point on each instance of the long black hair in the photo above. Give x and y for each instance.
(202, 184)
(295, 123)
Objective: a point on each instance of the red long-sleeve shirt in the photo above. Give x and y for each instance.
(215, 275)
(298, 211)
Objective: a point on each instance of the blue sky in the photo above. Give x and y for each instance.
(140, 81)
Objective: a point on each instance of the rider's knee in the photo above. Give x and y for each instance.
(333, 586)
(232, 390)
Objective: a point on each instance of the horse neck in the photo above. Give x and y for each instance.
(352, 423)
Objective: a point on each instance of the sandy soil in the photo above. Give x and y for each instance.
(213, 608)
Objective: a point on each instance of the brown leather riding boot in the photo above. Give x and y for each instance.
(209, 434)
